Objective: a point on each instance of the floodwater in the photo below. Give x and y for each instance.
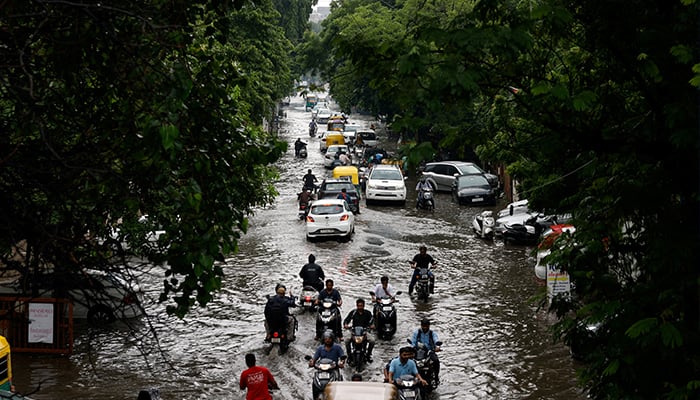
(496, 342)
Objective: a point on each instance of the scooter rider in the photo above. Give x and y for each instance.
(404, 365)
(429, 338)
(422, 186)
(305, 197)
(298, 145)
(334, 294)
(383, 289)
(312, 274)
(277, 313)
(422, 260)
(310, 180)
(313, 126)
(329, 349)
(360, 317)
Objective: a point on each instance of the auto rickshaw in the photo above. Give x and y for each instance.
(350, 173)
(333, 138)
(336, 123)
(5, 365)
(311, 101)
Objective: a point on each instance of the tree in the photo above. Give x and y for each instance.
(596, 115)
(111, 113)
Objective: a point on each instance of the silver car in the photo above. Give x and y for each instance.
(441, 174)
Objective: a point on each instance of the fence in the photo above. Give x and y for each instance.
(37, 325)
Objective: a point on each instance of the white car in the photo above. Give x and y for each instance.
(368, 138)
(329, 157)
(386, 183)
(97, 296)
(330, 218)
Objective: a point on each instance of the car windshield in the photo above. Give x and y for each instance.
(386, 174)
(472, 181)
(326, 209)
(466, 169)
(337, 186)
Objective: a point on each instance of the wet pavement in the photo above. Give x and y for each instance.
(496, 344)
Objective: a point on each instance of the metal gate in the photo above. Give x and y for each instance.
(37, 325)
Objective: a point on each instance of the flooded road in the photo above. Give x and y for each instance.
(496, 344)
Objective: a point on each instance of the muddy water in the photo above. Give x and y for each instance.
(496, 345)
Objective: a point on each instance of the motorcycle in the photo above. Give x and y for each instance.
(408, 388)
(426, 367)
(326, 371)
(358, 347)
(303, 210)
(307, 298)
(300, 150)
(423, 284)
(385, 316)
(483, 225)
(328, 317)
(426, 201)
(280, 338)
(312, 130)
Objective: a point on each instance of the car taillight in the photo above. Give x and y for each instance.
(309, 218)
(344, 217)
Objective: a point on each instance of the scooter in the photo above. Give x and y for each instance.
(328, 317)
(327, 371)
(303, 210)
(426, 201)
(358, 347)
(312, 130)
(385, 316)
(483, 225)
(408, 388)
(426, 367)
(307, 298)
(279, 336)
(302, 152)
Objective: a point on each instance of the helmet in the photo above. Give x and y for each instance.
(328, 334)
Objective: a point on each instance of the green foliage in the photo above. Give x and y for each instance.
(594, 115)
(111, 113)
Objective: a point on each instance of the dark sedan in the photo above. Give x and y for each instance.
(330, 188)
(473, 189)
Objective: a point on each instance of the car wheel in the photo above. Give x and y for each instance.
(100, 315)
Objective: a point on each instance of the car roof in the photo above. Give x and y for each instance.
(450, 163)
(327, 201)
(352, 390)
(386, 166)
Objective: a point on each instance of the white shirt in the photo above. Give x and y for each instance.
(379, 291)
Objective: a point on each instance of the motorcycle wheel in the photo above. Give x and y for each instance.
(358, 362)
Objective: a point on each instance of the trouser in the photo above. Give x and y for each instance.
(291, 321)
(414, 278)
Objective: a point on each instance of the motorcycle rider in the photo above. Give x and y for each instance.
(360, 317)
(310, 180)
(421, 187)
(429, 339)
(277, 313)
(298, 145)
(383, 289)
(334, 294)
(305, 197)
(404, 365)
(329, 349)
(422, 260)
(344, 158)
(313, 126)
(312, 274)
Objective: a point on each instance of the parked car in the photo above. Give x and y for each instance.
(330, 188)
(332, 150)
(386, 183)
(330, 218)
(473, 189)
(516, 207)
(98, 296)
(441, 174)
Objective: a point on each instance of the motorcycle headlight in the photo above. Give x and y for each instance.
(358, 339)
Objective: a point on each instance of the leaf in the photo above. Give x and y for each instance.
(168, 134)
(671, 336)
(642, 327)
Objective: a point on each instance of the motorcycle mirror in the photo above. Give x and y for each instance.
(399, 292)
(371, 293)
(307, 357)
(409, 342)
(438, 343)
(343, 358)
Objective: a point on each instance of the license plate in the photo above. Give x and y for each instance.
(386, 309)
(327, 230)
(410, 393)
(307, 303)
(324, 375)
(475, 199)
(275, 340)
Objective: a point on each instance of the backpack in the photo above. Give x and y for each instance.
(275, 308)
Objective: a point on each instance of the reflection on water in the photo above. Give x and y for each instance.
(496, 344)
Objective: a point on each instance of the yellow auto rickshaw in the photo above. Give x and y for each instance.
(334, 138)
(336, 123)
(5, 365)
(350, 173)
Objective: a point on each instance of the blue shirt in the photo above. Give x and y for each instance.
(334, 294)
(335, 352)
(399, 369)
(424, 338)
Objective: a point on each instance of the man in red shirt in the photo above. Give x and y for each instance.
(258, 380)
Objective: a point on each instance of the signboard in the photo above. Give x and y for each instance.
(558, 282)
(41, 316)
